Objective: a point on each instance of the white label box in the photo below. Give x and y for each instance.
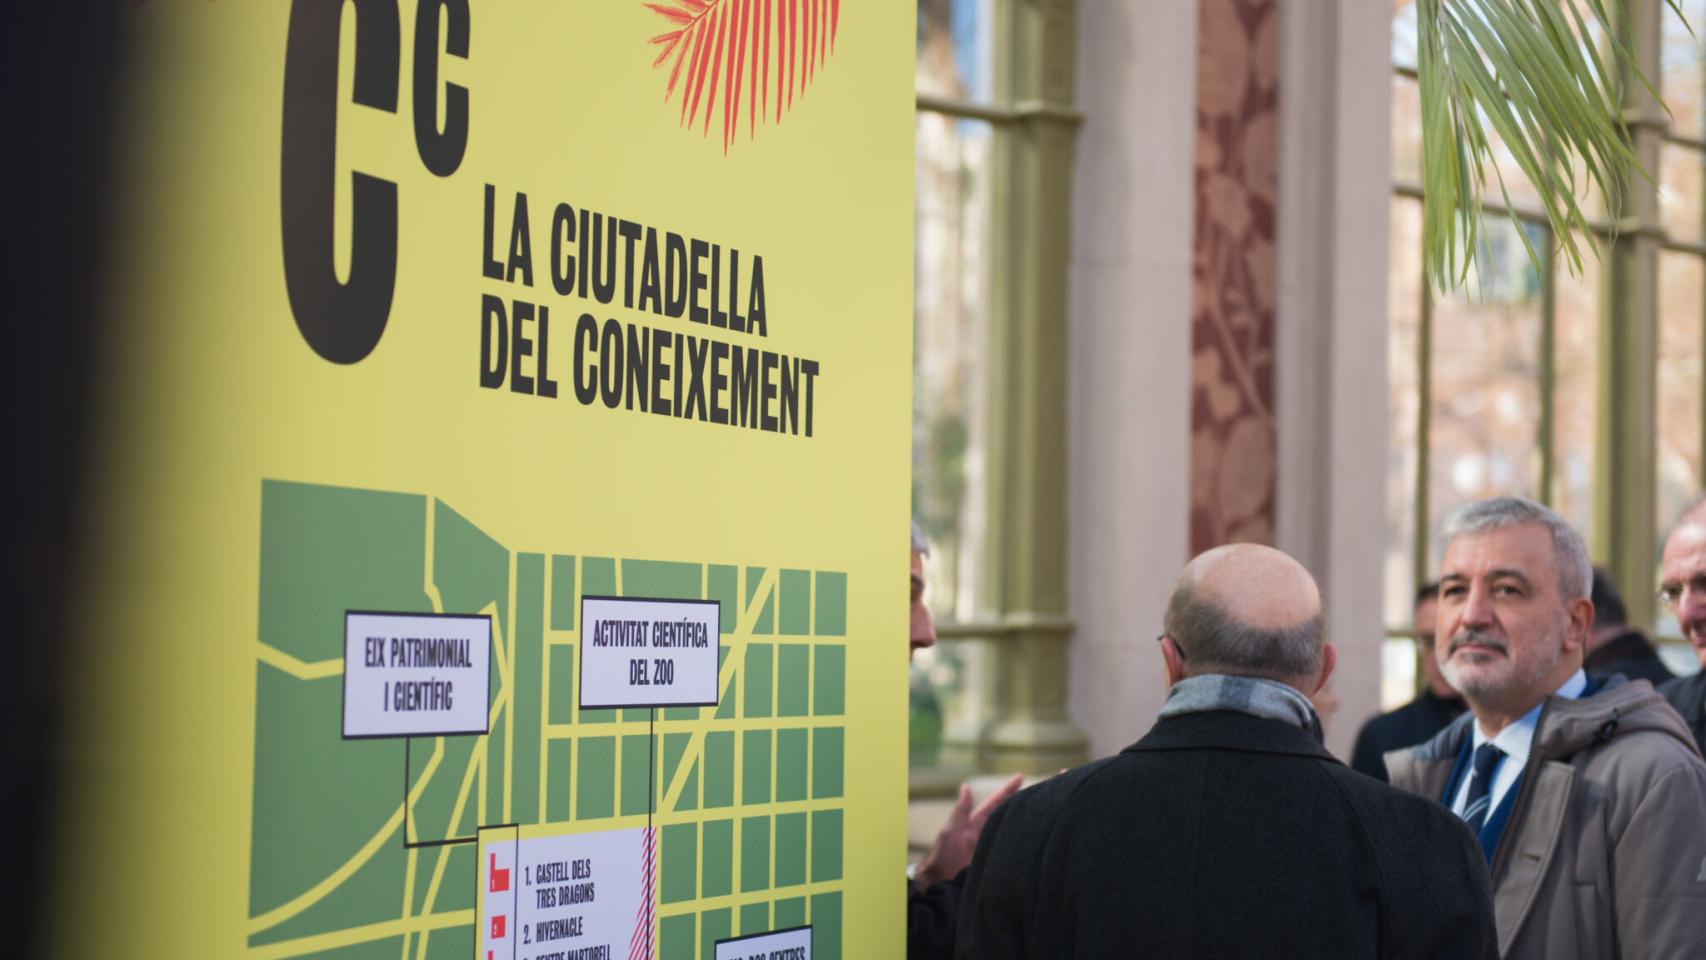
(794, 943)
(416, 674)
(580, 896)
(638, 652)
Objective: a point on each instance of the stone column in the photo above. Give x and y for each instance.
(1027, 486)
(1335, 186)
(1626, 432)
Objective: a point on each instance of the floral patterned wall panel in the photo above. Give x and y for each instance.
(1233, 267)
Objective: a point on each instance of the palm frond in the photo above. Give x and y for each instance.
(1528, 73)
(722, 47)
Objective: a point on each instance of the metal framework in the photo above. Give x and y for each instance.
(1625, 480)
(1021, 593)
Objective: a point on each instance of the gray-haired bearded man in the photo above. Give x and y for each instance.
(1589, 801)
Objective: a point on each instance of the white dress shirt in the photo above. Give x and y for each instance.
(1515, 740)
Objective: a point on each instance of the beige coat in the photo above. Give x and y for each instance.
(1605, 852)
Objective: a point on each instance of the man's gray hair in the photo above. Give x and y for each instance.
(919, 544)
(1569, 552)
(1213, 641)
(1683, 515)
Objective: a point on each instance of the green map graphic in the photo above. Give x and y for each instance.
(747, 796)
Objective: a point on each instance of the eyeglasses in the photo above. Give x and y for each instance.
(1670, 594)
(1176, 646)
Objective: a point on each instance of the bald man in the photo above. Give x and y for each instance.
(1682, 587)
(1228, 830)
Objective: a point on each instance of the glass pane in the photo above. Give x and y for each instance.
(1486, 390)
(1575, 380)
(1682, 58)
(1502, 170)
(1681, 303)
(1679, 657)
(1406, 131)
(954, 48)
(1680, 210)
(1404, 33)
(943, 695)
(1397, 672)
(1404, 307)
(950, 356)
(950, 349)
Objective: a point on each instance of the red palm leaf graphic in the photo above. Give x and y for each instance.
(793, 48)
(720, 47)
(716, 59)
(670, 13)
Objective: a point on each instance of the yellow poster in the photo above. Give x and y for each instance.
(501, 485)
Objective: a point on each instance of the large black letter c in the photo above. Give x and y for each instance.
(341, 321)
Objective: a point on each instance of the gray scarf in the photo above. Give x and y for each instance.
(1268, 699)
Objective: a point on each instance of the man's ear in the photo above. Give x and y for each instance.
(1329, 660)
(1579, 623)
(1170, 659)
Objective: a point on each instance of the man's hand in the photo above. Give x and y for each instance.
(954, 845)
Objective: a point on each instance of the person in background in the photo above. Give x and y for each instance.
(933, 891)
(1615, 647)
(1228, 830)
(1682, 588)
(1417, 721)
(1588, 799)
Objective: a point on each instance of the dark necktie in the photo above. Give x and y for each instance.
(1486, 758)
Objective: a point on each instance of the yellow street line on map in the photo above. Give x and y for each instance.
(414, 795)
(427, 585)
(461, 804)
(739, 812)
(406, 925)
(547, 611)
(501, 702)
(499, 642)
(408, 897)
(300, 669)
(617, 773)
(318, 891)
(444, 856)
(730, 900)
(617, 728)
(508, 680)
(734, 814)
(319, 942)
(737, 647)
(412, 863)
(628, 821)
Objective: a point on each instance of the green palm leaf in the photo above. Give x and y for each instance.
(1520, 70)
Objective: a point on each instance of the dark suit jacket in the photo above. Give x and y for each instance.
(1687, 695)
(1413, 723)
(1628, 654)
(930, 914)
(1224, 835)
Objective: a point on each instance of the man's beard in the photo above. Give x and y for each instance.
(1520, 677)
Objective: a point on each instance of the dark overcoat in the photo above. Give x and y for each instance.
(1414, 722)
(1223, 834)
